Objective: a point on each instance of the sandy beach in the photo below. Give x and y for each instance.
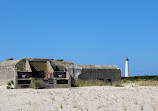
(95, 98)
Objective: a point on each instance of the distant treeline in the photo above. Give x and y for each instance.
(136, 78)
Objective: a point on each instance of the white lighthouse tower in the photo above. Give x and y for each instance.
(126, 68)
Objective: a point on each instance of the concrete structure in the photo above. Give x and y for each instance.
(106, 73)
(7, 70)
(53, 73)
(25, 71)
(126, 68)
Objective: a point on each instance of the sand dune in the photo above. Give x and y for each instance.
(101, 98)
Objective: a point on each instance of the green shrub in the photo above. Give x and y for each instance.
(7, 87)
(9, 84)
(36, 84)
(12, 82)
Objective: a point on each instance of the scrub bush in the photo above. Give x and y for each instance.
(36, 84)
(10, 84)
(82, 83)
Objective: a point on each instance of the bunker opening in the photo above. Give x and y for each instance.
(62, 81)
(38, 68)
(100, 79)
(24, 81)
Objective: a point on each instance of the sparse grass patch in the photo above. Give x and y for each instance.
(117, 84)
(82, 83)
(141, 82)
(138, 78)
(36, 84)
(128, 81)
(148, 83)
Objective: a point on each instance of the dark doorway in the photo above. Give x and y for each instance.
(100, 79)
(109, 80)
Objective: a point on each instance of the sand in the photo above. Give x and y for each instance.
(95, 98)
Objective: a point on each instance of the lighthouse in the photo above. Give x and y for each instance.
(126, 68)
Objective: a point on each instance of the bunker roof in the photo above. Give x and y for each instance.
(99, 66)
(9, 62)
(37, 59)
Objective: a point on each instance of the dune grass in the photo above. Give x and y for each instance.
(82, 83)
(148, 83)
(141, 82)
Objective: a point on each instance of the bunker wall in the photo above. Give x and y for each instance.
(21, 66)
(57, 66)
(6, 74)
(107, 75)
(74, 70)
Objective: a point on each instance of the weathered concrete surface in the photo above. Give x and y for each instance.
(74, 70)
(99, 66)
(107, 73)
(28, 68)
(91, 72)
(21, 65)
(6, 74)
(49, 67)
(7, 70)
(57, 66)
(9, 62)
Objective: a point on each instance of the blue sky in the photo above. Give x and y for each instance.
(83, 31)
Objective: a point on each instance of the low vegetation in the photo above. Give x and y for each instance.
(117, 84)
(141, 80)
(10, 84)
(36, 84)
(64, 62)
(138, 78)
(148, 83)
(82, 83)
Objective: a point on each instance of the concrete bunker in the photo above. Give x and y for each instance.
(106, 73)
(27, 70)
(54, 74)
